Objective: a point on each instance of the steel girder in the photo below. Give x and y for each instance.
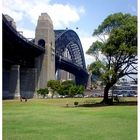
(16, 48)
(68, 39)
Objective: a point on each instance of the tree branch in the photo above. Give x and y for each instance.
(131, 77)
(134, 68)
(100, 38)
(129, 60)
(126, 74)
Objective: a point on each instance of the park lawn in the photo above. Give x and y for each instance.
(50, 119)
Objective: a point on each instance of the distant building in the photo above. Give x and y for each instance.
(63, 75)
(125, 88)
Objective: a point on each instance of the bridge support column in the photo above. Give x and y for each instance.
(14, 86)
(44, 37)
(27, 82)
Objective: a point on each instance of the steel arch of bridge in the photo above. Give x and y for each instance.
(68, 39)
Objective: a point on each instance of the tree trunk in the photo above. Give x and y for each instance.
(106, 90)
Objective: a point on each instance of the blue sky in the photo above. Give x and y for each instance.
(97, 10)
(84, 14)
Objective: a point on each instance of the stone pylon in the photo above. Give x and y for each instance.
(44, 37)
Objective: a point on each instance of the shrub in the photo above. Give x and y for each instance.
(80, 89)
(76, 103)
(73, 91)
(63, 90)
(68, 83)
(43, 92)
(65, 87)
(54, 85)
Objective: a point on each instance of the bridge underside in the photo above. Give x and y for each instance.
(81, 76)
(17, 49)
(19, 72)
(19, 56)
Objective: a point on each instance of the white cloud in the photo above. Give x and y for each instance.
(15, 8)
(27, 33)
(62, 15)
(86, 43)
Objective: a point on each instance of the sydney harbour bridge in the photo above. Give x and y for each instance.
(29, 64)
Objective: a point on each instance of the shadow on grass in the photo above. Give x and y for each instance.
(126, 103)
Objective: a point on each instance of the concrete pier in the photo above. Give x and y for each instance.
(14, 85)
(44, 37)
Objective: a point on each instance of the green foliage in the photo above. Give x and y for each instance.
(43, 92)
(97, 67)
(68, 83)
(73, 91)
(112, 22)
(95, 48)
(80, 89)
(70, 88)
(119, 49)
(63, 90)
(54, 85)
(65, 87)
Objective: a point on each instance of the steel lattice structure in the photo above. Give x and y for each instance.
(68, 39)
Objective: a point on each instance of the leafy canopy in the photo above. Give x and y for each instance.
(117, 45)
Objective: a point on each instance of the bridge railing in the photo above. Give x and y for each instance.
(19, 34)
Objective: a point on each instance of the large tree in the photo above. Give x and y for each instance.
(118, 47)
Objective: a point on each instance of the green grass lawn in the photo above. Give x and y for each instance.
(50, 119)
